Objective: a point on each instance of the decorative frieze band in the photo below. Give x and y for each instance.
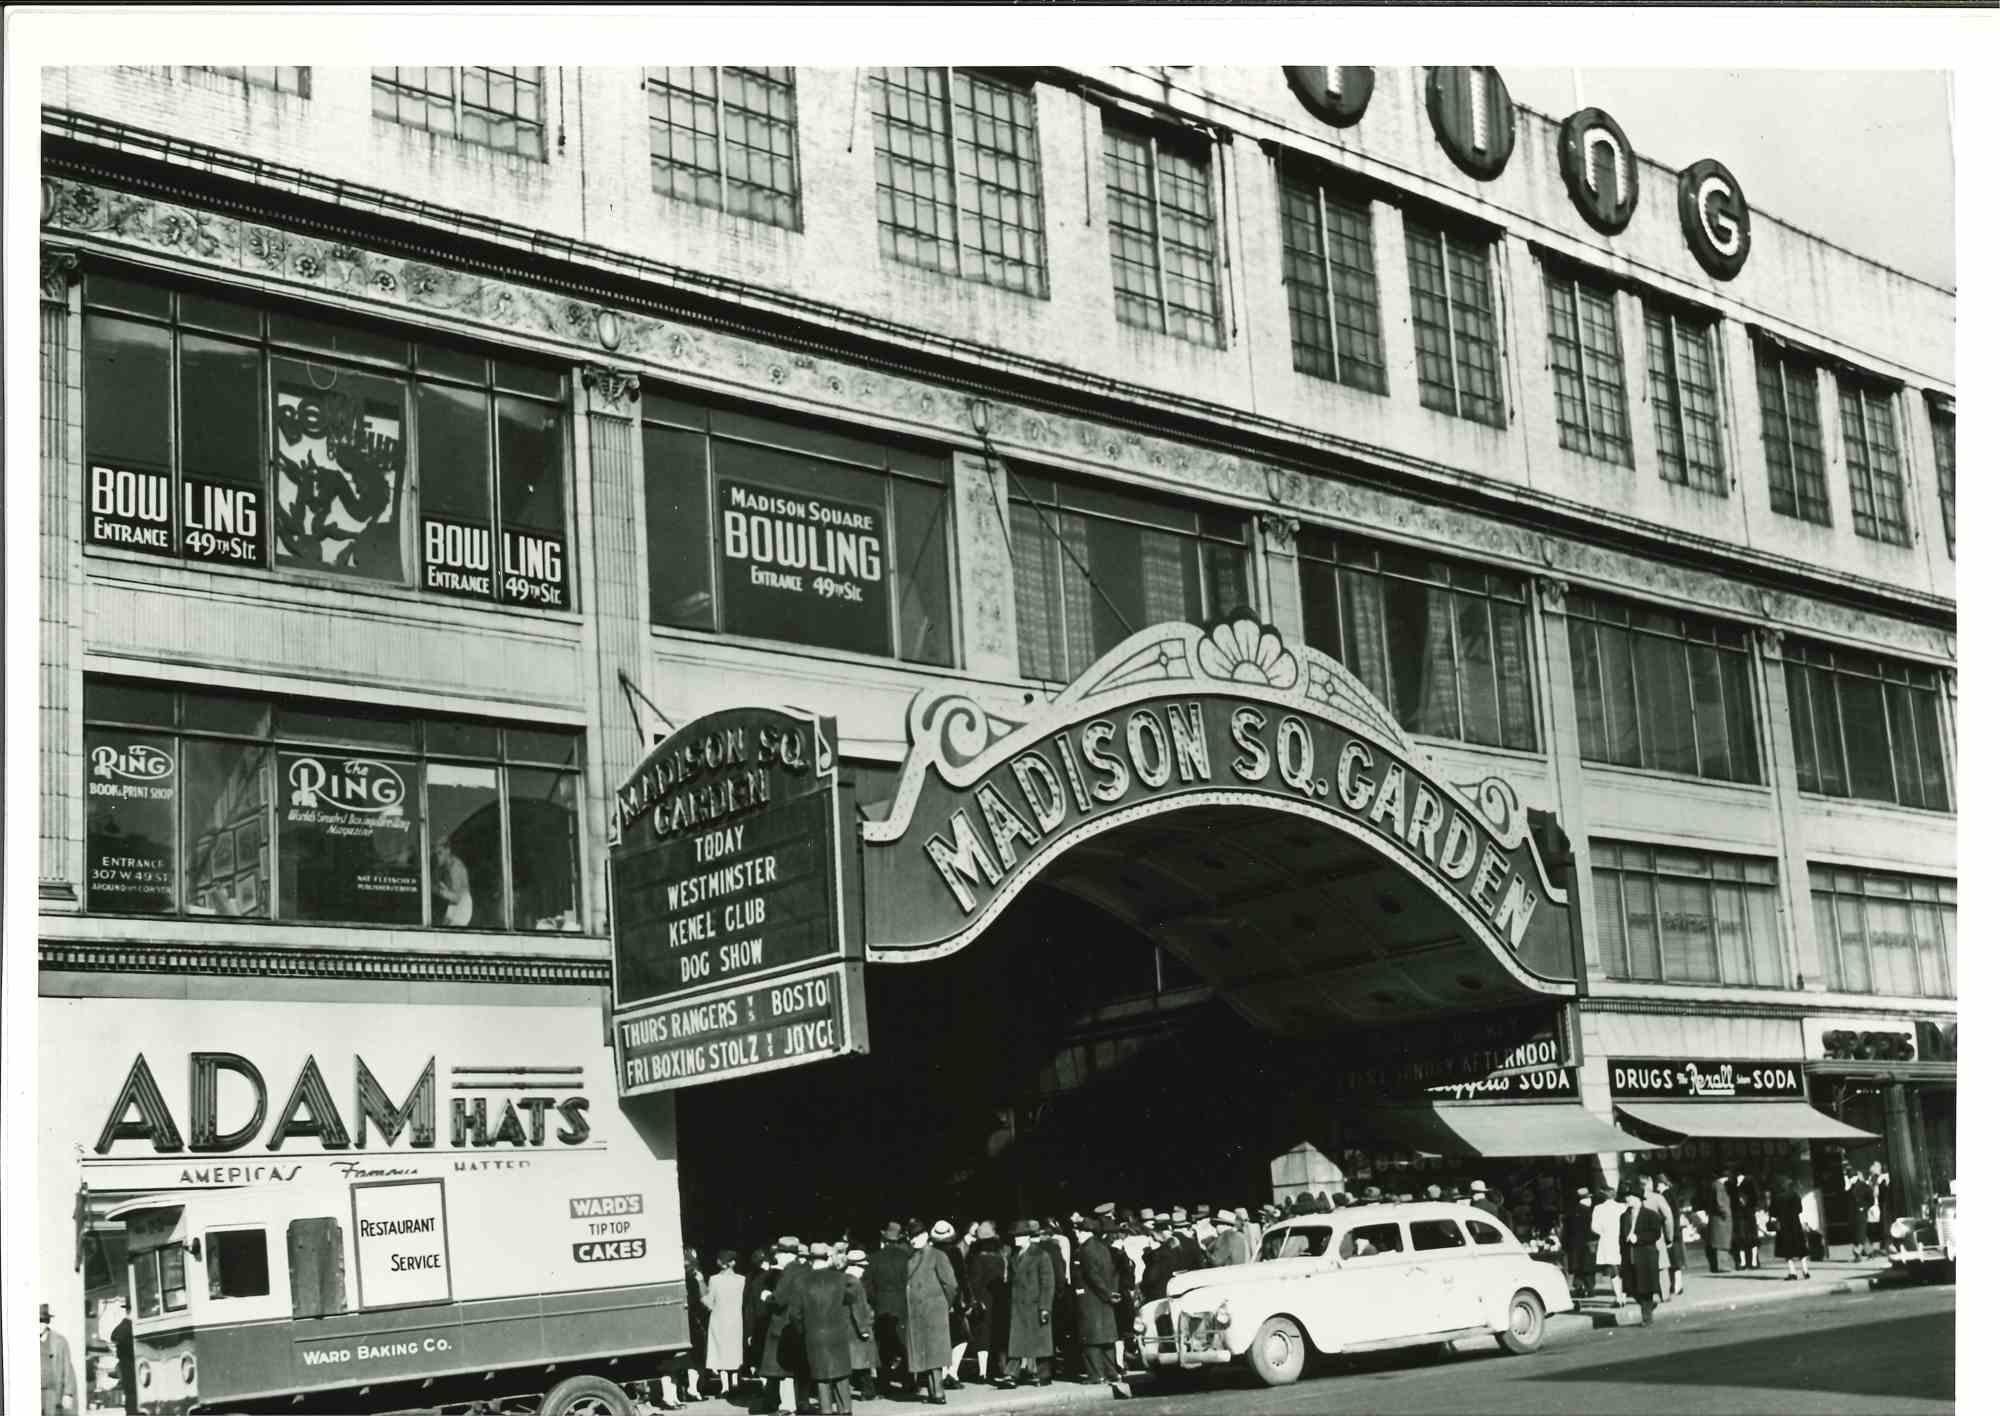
(134, 956)
(277, 258)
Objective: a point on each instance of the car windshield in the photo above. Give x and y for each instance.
(1297, 1241)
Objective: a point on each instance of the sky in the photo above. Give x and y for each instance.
(1799, 140)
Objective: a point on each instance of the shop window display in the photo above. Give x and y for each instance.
(784, 530)
(219, 433)
(223, 805)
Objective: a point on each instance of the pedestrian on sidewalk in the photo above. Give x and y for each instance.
(1744, 1198)
(1649, 1236)
(862, 1354)
(1859, 1196)
(1580, 1246)
(884, 1283)
(724, 1356)
(986, 1312)
(1788, 1211)
(1031, 1296)
(1720, 1235)
(931, 1290)
(1097, 1293)
(1878, 1205)
(1606, 1221)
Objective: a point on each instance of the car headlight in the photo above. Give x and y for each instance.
(187, 1369)
(145, 1374)
(1899, 1230)
(1220, 1317)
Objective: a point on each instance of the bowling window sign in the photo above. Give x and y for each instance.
(219, 433)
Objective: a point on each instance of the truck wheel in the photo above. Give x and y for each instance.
(1278, 1354)
(585, 1396)
(1526, 1323)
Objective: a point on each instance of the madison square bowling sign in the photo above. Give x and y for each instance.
(1180, 716)
(729, 932)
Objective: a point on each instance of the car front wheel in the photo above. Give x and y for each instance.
(1279, 1353)
(1526, 1323)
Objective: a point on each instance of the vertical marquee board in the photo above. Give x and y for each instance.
(735, 937)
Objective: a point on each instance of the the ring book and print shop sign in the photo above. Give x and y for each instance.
(732, 949)
(739, 929)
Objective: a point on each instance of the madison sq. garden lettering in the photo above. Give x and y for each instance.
(1160, 749)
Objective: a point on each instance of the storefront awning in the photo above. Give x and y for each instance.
(1742, 1120)
(1444, 1128)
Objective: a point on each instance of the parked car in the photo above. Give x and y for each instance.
(1356, 1280)
(1926, 1245)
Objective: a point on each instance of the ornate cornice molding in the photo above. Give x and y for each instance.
(59, 267)
(580, 325)
(280, 961)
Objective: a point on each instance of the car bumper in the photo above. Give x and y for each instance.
(1168, 1337)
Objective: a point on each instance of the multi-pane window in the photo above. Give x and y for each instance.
(220, 432)
(1944, 445)
(1687, 418)
(284, 80)
(209, 805)
(1161, 214)
(1443, 644)
(1676, 916)
(794, 531)
(1883, 933)
(1663, 691)
(1092, 565)
(1329, 242)
(1788, 399)
(1866, 727)
(727, 138)
(1874, 470)
(958, 183)
(496, 108)
(1452, 309)
(1589, 367)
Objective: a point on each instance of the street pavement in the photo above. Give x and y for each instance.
(1835, 1350)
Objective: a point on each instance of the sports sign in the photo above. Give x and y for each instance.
(733, 848)
(129, 509)
(804, 568)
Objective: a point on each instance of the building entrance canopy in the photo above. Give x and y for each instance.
(1741, 1120)
(1248, 805)
(1499, 1129)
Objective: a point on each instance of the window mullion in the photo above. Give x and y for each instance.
(951, 156)
(1889, 738)
(1326, 272)
(1159, 222)
(721, 139)
(1694, 714)
(1450, 324)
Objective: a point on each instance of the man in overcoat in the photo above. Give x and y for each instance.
(58, 1371)
(822, 1312)
(1721, 1234)
(783, 1360)
(931, 1291)
(861, 1351)
(1231, 1246)
(986, 1277)
(1062, 1310)
(888, 1272)
(1161, 1261)
(1097, 1294)
(1031, 1296)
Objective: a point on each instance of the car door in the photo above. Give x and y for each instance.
(1438, 1245)
(1373, 1294)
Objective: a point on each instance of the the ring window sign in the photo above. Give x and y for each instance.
(781, 529)
(218, 805)
(218, 432)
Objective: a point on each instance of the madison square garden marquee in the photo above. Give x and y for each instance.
(751, 891)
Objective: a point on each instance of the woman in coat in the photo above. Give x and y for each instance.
(1788, 1211)
(932, 1291)
(1878, 1185)
(1721, 1230)
(1648, 1239)
(986, 1289)
(724, 1356)
(1748, 1241)
(1031, 1296)
(1860, 1195)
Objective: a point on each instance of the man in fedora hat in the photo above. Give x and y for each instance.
(58, 1371)
(1098, 1292)
(1231, 1247)
(931, 1289)
(783, 1360)
(1481, 1199)
(822, 1312)
(861, 1352)
(886, 1288)
(1031, 1296)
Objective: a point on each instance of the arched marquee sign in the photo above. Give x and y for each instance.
(1599, 169)
(1336, 94)
(1715, 218)
(1473, 118)
(1178, 717)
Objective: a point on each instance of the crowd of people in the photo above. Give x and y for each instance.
(813, 1326)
